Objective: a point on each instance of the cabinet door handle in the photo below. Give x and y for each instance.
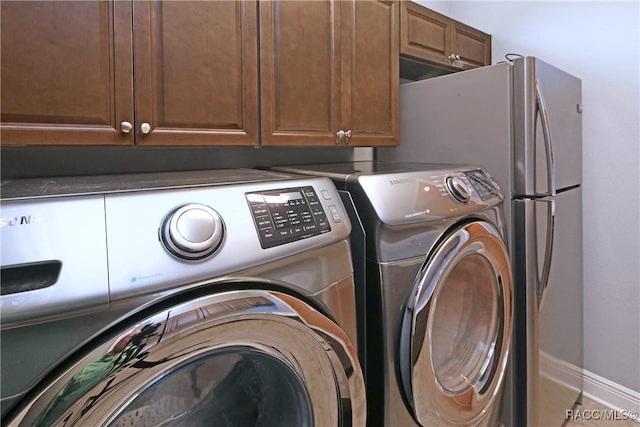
(347, 134)
(458, 57)
(145, 128)
(339, 136)
(126, 127)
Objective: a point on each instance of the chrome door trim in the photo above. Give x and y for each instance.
(314, 347)
(543, 280)
(548, 140)
(426, 396)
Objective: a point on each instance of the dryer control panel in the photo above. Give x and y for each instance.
(408, 197)
(287, 215)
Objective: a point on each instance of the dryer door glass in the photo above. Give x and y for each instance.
(457, 327)
(464, 325)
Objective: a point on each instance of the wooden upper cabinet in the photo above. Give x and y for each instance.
(431, 37)
(196, 72)
(371, 77)
(329, 68)
(425, 34)
(473, 46)
(300, 66)
(66, 72)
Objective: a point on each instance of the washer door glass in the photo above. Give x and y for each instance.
(457, 327)
(234, 386)
(251, 357)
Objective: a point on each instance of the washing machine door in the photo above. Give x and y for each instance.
(241, 358)
(456, 328)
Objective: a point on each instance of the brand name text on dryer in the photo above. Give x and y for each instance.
(399, 181)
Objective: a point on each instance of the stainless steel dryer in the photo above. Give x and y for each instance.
(201, 298)
(434, 290)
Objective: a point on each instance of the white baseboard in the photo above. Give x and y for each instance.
(610, 394)
(595, 387)
(560, 371)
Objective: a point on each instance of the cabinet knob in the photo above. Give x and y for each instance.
(145, 128)
(348, 136)
(126, 127)
(339, 136)
(458, 57)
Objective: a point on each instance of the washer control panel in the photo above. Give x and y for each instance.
(71, 247)
(286, 215)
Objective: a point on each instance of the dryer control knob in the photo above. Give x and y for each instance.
(458, 188)
(192, 231)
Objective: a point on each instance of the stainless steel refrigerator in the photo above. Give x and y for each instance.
(522, 121)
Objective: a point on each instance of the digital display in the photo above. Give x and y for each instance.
(283, 216)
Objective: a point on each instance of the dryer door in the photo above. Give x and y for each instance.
(456, 328)
(256, 358)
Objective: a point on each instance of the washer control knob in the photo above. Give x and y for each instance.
(192, 231)
(458, 188)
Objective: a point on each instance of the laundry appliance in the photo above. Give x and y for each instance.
(433, 289)
(521, 120)
(195, 298)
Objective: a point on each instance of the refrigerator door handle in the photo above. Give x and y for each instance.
(543, 281)
(548, 141)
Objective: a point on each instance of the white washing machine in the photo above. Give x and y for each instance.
(201, 298)
(434, 289)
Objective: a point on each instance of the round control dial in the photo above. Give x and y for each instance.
(192, 231)
(458, 188)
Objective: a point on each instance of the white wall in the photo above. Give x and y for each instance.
(599, 43)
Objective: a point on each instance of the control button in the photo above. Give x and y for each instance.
(335, 214)
(323, 223)
(263, 222)
(267, 233)
(192, 231)
(259, 210)
(284, 233)
(458, 188)
(326, 194)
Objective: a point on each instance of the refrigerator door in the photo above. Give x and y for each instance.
(550, 262)
(547, 128)
(561, 318)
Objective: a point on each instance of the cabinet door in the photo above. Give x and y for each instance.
(425, 34)
(370, 77)
(66, 72)
(196, 72)
(300, 66)
(473, 46)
